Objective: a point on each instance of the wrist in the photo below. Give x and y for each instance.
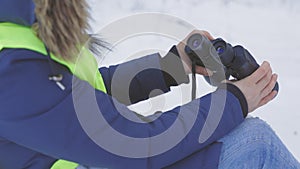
(238, 94)
(186, 62)
(173, 69)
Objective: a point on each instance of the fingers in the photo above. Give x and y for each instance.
(207, 34)
(267, 93)
(268, 89)
(268, 98)
(203, 71)
(202, 32)
(265, 80)
(260, 72)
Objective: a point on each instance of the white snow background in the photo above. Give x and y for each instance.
(269, 29)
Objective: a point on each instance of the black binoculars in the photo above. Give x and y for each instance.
(221, 58)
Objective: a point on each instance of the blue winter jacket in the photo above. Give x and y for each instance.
(39, 122)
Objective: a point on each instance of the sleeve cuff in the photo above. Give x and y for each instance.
(172, 68)
(237, 93)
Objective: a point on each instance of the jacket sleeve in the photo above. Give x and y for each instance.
(67, 124)
(140, 77)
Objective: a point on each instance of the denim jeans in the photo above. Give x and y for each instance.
(254, 145)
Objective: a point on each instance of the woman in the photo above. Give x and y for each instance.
(40, 100)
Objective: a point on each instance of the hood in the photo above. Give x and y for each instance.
(17, 11)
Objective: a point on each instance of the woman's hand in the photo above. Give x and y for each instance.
(185, 58)
(257, 88)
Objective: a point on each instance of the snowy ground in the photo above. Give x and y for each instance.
(269, 29)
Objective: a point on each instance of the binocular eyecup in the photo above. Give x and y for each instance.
(221, 58)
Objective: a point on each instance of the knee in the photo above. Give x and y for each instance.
(252, 140)
(257, 126)
(258, 130)
(252, 130)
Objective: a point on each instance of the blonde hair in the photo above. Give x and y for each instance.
(62, 26)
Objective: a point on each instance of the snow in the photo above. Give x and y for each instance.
(269, 29)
